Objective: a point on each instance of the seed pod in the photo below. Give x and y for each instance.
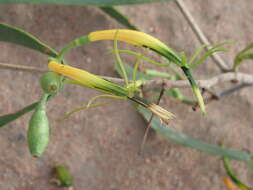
(38, 131)
(50, 82)
(63, 176)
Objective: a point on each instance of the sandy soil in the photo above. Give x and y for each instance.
(100, 145)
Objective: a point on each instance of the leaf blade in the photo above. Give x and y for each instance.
(8, 118)
(118, 16)
(177, 137)
(17, 36)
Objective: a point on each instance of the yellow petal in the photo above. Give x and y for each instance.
(73, 73)
(129, 36)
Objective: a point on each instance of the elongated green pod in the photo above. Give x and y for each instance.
(51, 82)
(63, 176)
(38, 131)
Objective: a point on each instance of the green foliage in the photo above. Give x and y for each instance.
(180, 138)
(194, 62)
(151, 74)
(160, 74)
(83, 40)
(243, 55)
(17, 36)
(38, 131)
(8, 118)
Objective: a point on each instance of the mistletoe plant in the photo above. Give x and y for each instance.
(61, 74)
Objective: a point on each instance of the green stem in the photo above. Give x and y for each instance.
(118, 58)
(8, 118)
(195, 88)
(77, 42)
(232, 176)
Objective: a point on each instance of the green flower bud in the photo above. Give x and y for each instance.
(63, 176)
(38, 131)
(51, 82)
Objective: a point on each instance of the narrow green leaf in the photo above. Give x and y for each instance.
(20, 37)
(176, 93)
(84, 2)
(180, 138)
(247, 48)
(82, 40)
(206, 55)
(119, 17)
(195, 88)
(196, 53)
(212, 50)
(243, 55)
(5, 119)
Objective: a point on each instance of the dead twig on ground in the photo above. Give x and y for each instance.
(200, 35)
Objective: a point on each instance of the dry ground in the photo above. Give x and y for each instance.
(100, 145)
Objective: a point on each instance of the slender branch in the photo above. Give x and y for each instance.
(246, 79)
(21, 67)
(225, 77)
(200, 35)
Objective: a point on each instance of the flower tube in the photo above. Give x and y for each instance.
(89, 80)
(136, 38)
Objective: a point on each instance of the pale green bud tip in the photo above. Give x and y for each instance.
(199, 99)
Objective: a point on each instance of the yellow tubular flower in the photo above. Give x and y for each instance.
(89, 80)
(144, 40)
(136, 38)
(129, 36)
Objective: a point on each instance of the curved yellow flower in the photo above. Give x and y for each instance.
(89, 80)
(139, 39)
(136, 38)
